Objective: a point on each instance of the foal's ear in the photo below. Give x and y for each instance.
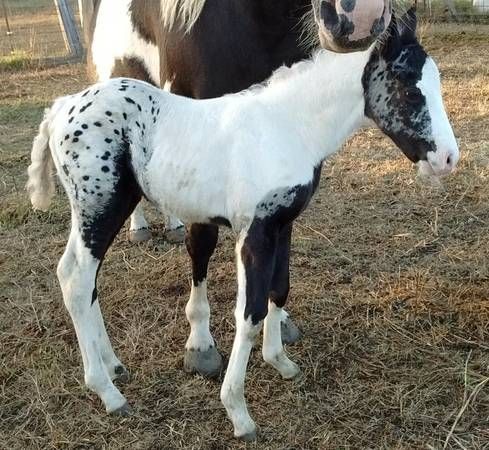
(390, 44)
(407, 26)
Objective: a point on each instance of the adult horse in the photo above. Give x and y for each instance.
(205, 49)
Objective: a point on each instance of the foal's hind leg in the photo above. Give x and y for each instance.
(77, 273)
(201, 355)
(273, 351)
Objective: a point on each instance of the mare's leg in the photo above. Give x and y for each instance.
(273, 351)
(139, 228)
(255, 255)
(201, 355)
(174, 230)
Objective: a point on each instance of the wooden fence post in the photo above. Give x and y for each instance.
(68, 28)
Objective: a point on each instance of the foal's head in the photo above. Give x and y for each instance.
(350, 25)
(403, 97)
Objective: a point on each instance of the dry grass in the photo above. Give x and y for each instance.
(390, 283)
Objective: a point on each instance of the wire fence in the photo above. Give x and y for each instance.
(463, 11)
(31, 28)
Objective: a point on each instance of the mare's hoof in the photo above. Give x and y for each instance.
(290, 332)
(207, 363)
(121, 374)
(175, 236)
(124, 411)
(141, 235)
(248, 437)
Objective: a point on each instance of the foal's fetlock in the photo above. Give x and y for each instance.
(207, 363)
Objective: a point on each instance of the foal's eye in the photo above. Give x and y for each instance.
(413, 95)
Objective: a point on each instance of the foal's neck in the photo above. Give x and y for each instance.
(324, 98)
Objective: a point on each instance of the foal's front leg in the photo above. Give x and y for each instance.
(255, 254)
(273, 351)
(201, 354)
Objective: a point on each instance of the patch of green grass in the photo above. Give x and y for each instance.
(17, 60)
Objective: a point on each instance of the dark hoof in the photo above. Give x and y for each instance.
(290, 332)
(175, 236)
(141, 235)
(124, 411)
(248, 437)
(121, 374)
(207, 363)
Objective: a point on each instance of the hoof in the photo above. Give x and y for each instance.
(124, 411)
(290, 332)
(207, 363)
(139, 235)
(121, 374)
(248, 437)
(176, 236)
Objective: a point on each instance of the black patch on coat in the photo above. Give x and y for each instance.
(261, 247)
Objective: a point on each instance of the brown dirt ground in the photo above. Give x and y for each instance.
(390, 283)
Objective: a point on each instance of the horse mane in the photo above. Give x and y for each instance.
(181, 13)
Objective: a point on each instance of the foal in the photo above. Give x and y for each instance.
(250, 161)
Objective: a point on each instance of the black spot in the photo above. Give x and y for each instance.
(84, 126)
(86, 93)
(65, 169)
(88, 147)
(97, 124)
(96, 92)
(67, 137)
(78, 133)
(105, 169)
(108, 140)
(83, 108)
(139, 107)
(108, 113)
(129, 100)
(71, 110)
(71, 119)
(117, 132)
(75, 140)
(86, 177)
(105, 156)
(124, 115)
(138, 124)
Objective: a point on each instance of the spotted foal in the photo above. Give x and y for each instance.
(249, 161)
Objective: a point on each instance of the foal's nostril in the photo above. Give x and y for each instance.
(449, 161)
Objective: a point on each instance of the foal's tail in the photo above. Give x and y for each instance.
(40, 185)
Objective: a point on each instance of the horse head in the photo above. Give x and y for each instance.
(403, 97)
(351, 25)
